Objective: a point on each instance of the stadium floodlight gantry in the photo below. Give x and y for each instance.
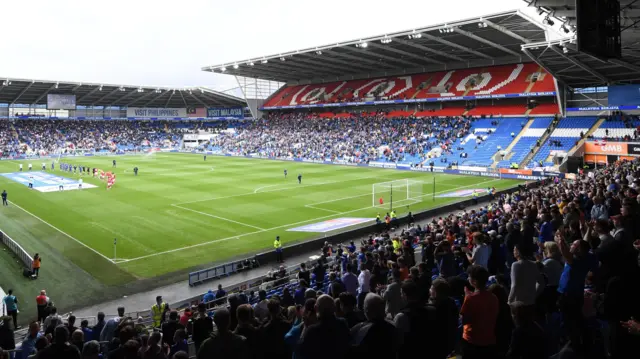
(577, 69)
(30, 96)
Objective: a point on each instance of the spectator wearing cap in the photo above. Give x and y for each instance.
(479, 313)
(60, 348)
(367, 336)
(209, 296)
(328, 329)
(202, 326)
(222, 343)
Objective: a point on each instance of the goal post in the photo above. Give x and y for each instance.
(402, 191)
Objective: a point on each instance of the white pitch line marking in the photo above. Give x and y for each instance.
(321, 209)
(279, 227)
(218, 217)
(263, 187)
(64, 233)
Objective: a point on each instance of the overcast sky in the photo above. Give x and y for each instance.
(166, 42)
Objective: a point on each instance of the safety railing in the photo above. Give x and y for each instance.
(17, 249)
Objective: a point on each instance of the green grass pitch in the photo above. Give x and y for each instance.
(181, 212)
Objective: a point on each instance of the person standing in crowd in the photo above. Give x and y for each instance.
(367, 336)
(528, 339)
(328, 329)
(393, 295)
(7, 336)
(109, 330)
(42, 302)
(202, 326)
(479, 313)
(28, 346)
(277, 246)
(526, 279)
(222, 343)
(60, 348)
(417, 323)
(97, 329)
(159, 311)
(11, 304)
(246, 329)
(4, 198)
(273, 331)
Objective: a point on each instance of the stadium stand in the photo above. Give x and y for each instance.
(511, 79)
(568, 132)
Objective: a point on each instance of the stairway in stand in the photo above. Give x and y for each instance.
(497, 158)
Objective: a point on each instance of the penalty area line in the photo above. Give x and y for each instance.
(238, 236)
(64, 233)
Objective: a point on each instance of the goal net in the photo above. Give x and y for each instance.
(402, 192)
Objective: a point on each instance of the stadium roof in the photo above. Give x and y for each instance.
(489, 40)
(578, 69)
(34, 92)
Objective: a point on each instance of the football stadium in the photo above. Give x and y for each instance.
(473, 185)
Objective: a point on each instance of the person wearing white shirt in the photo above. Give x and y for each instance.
(80, 183)
(363, 284)
(30, 166)
(44, 166)
(21, 167)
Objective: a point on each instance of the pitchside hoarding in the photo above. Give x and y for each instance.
(225, 112)
(145, 112)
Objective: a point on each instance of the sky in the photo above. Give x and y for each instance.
(167, 42)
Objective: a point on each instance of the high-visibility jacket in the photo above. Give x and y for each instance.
(277, 245)
(156, 313)
(36, 263)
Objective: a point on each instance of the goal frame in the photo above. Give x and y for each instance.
(406, 182)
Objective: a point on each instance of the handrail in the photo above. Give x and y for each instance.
(17, 249)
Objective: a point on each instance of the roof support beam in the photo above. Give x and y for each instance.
(452, 44)
(343, 64)
(506, 31)
(169, 99)
(541, 64)
(428, 49)
(358, 59)
(119, 99)
(146, 104)
(20, 94)
(380, 56)
(625, 64)
(301, 69)
(43, 95)
(87, 94)
(485, 41)
(151, 93)
(255, 73)
(407, 54)
(580, 64)
(213, 100)
(198, 100)
(183, 100)
(101, 98)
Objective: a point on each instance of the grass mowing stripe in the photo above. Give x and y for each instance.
(61, 231)
(279, 227)
(218, 217)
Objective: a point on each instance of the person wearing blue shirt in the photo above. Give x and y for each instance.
(11, 304)
(546, 230)
(351, 247)
(29, 343)
(578, 263)
(88, 333)
(208, 296)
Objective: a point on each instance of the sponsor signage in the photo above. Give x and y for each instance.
(382, 164)
(144, 112)
(633, 148)
(516, 172)
(431, 99)
(609, 148)
(602, 108)
(190, 137)
(225, 112)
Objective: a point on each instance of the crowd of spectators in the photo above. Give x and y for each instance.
(547, 271)
(358, 138)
